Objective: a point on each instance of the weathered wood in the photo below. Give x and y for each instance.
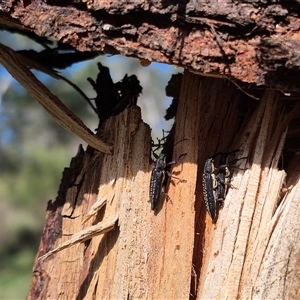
(125, 262)
(252, 41)
(177, 252)
(95, 176)
(246, 253)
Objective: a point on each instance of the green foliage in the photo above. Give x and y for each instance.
(24, 195)
(14, 276)
(37, 176)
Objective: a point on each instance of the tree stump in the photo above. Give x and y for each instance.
(101, 239)
(177, 252)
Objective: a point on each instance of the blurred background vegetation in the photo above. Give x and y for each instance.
(34, 150)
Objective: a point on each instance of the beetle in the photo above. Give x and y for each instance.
(158, 172)
(223, 173)
(161, 169)
(157, 179)
(214, 182)
(210, 184)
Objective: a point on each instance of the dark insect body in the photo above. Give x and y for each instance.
(223, 174)
(157, 179)
(210, 184)
(161, 169)
(159, 176)
(214, 182)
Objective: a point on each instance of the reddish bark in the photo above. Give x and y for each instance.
(254, 42)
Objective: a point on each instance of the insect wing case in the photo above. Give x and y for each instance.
(156, 180)
(209, 184)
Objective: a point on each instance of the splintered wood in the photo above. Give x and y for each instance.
(247, 255)
(96, 207)
(91, 231)
(111, 242)
(84, 235)
(103, 241)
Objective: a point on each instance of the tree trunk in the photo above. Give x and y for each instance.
(140, 257)
(101, 239)
(177, 252)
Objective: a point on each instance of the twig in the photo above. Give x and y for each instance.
(214, 75)
(84, 96)
(17, 67)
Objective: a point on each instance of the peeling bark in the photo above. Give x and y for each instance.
(251, 41)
